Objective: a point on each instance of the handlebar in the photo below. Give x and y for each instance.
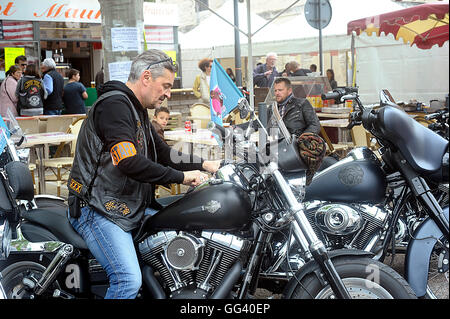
(340, 92)
(436, 115)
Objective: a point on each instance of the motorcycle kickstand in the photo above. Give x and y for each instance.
(54, 269)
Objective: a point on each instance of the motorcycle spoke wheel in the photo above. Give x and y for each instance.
(13, 280)
(438, 277)
(363, 277)
(358, 288)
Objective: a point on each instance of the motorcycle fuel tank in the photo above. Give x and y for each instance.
(358, 178)
(216, 206)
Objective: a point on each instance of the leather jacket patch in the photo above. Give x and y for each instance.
(75, 186)
(114, 205)
(122, 150)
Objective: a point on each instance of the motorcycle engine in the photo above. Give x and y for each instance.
(345, 225)
(191, 264)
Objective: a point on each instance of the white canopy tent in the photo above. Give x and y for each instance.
(409, 73)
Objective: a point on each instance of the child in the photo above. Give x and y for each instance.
(160, 120)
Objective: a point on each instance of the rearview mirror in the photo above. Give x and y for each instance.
(386, 98)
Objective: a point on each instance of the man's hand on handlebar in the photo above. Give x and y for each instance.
(194, 178)
(211, 166)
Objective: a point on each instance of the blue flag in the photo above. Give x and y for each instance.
(224, 94)
(3, 129)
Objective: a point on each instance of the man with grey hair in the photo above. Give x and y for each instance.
(293, 69)
(119, 159)
(264, 74)
(54, 85)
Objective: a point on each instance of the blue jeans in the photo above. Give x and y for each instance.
(113, 248)
(52, 112)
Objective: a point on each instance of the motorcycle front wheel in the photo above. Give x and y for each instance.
(16, 275)
(364, 278)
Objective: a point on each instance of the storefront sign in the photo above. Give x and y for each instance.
(10, 56)
(161, 14)
(51, 10)
(79, 11)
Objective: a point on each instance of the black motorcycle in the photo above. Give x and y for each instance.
(210, 243)
(440, 124)
(398, 202)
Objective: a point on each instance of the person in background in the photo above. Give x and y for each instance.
(99, 79)
(231, 74)
(54, 84)
(160, 120)
(21, 61)
(31, 92)
(297, 113)
(8, 98)
(330, 76)
(285, 72)
(201, 82)
(74, 94)
(294, 69)
(313, 68)
(264, 74)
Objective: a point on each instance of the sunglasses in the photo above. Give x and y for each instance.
(23, 64)
(161, 61)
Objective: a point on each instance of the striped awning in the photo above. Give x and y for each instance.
(423, 25)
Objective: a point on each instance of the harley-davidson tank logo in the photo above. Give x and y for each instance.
(212, 206)
(114, 205)
(351, 175)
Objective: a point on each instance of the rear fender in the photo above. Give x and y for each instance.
(313, 266)
(417, 259)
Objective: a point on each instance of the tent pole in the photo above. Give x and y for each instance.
(250, 59)
(353, 59)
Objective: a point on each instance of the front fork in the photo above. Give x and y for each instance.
(53, 270)
(307, 238)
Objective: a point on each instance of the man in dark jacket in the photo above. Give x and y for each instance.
(54, 85)
(118, 159)
(264, 74)
(297, 113)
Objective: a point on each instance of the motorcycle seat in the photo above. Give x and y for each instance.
(422, 148)
(55, 220)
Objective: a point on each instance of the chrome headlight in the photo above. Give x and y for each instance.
(5, 238)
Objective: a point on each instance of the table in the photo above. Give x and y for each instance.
(201, 137)
(339, 123)
(333, 115)
(38, 141)
(343, 135)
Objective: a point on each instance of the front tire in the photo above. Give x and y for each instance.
(13, 280)
(364, 278)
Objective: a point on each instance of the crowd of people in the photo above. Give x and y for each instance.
(27, 92)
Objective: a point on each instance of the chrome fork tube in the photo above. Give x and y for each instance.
(316, 246)
(53, 270)
(303, 231)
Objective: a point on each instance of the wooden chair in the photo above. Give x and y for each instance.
(174, 189)
(332, 148)
(29, 125)
(62, 164)
(360, 137)
(201, 114)
(58, 123)
(32, 168)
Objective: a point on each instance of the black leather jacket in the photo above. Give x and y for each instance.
(300, 117)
